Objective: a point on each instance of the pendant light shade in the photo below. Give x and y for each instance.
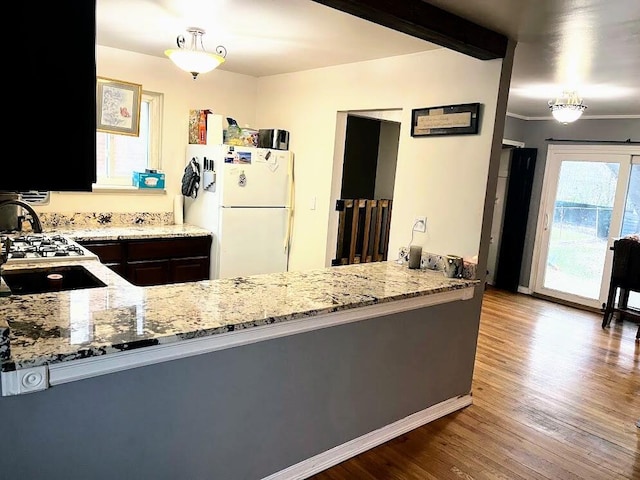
(568, 108)
(193, 58)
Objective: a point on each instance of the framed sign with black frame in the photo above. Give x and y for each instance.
(460, 119)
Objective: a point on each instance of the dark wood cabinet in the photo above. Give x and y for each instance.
(156, 261)
(57, 96)
(150, 272)
(111, 254)
(186, 269)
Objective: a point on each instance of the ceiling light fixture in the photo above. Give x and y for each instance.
(194, 58)
(568, 108)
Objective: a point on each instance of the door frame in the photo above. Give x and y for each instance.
(550, 180)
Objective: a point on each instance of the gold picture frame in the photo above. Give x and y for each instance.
(118, 106)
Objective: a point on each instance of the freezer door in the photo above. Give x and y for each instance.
(263, 180)
(252, 241)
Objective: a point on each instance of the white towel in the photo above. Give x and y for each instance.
(178, 212)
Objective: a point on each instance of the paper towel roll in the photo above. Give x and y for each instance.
(178, 209)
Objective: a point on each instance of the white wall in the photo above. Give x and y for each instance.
(443, 178)
(227, 93)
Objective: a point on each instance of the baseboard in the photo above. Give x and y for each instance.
(354, 447)
(567, 303)
(525, 290)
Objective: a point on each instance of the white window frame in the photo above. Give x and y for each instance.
(155, 101)
(626, 156)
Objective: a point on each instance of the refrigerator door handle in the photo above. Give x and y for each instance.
(287, 235)
(289, 232)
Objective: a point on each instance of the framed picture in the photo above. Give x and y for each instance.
(460, 119)
(118, 106)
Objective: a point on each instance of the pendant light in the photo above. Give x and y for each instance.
(193, 58)
(568, 108)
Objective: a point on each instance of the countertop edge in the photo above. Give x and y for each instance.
(131, 232)
(13, 382)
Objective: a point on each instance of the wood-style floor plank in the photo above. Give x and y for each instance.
(555, 397)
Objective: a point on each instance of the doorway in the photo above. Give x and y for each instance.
(365, 158)
(590, 197)
(508, 228)
(498, 209)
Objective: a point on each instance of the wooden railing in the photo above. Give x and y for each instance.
(363, 231)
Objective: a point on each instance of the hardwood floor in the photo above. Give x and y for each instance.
(554, 397)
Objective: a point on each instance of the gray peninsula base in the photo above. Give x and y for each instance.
(245, 412)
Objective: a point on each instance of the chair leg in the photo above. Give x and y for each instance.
(608, 310)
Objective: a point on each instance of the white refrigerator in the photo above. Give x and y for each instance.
(244, 199)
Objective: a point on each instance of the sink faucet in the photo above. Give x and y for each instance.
(4, 256)
(4, 251)
(36, 225)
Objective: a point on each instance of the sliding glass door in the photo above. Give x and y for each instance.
(588, 200)
(631, 215)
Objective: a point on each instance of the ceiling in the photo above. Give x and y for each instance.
(592, 46)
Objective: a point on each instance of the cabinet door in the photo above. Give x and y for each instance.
(189, 269)
(68, 82)
(148, 273)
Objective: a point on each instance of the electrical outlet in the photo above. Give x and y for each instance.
(420, 224)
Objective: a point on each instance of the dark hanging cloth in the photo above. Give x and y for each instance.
(191, 179)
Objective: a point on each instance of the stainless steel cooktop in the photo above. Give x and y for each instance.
(42, 247)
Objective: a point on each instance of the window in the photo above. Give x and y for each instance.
(118, 156)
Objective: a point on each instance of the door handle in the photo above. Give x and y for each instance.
(546, 221)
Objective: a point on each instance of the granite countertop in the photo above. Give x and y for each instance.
(58, 327)
(127, 232)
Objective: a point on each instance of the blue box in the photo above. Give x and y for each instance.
(148, 180)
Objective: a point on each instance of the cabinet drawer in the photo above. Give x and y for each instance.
(108, 252)
(168, 248)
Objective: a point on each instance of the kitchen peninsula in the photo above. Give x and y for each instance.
(269, 376)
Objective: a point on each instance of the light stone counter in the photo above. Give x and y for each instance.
(127, 232)
(64, 326)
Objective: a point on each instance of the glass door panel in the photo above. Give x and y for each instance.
(591, 196)
(631, 218)
(579, 231)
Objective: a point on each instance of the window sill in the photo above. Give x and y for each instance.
(120, 189)
(127, 189)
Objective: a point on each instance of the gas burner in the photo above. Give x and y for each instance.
(49, 250)
(42, 247)
(41, 239)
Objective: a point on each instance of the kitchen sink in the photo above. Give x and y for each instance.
(51, 279)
